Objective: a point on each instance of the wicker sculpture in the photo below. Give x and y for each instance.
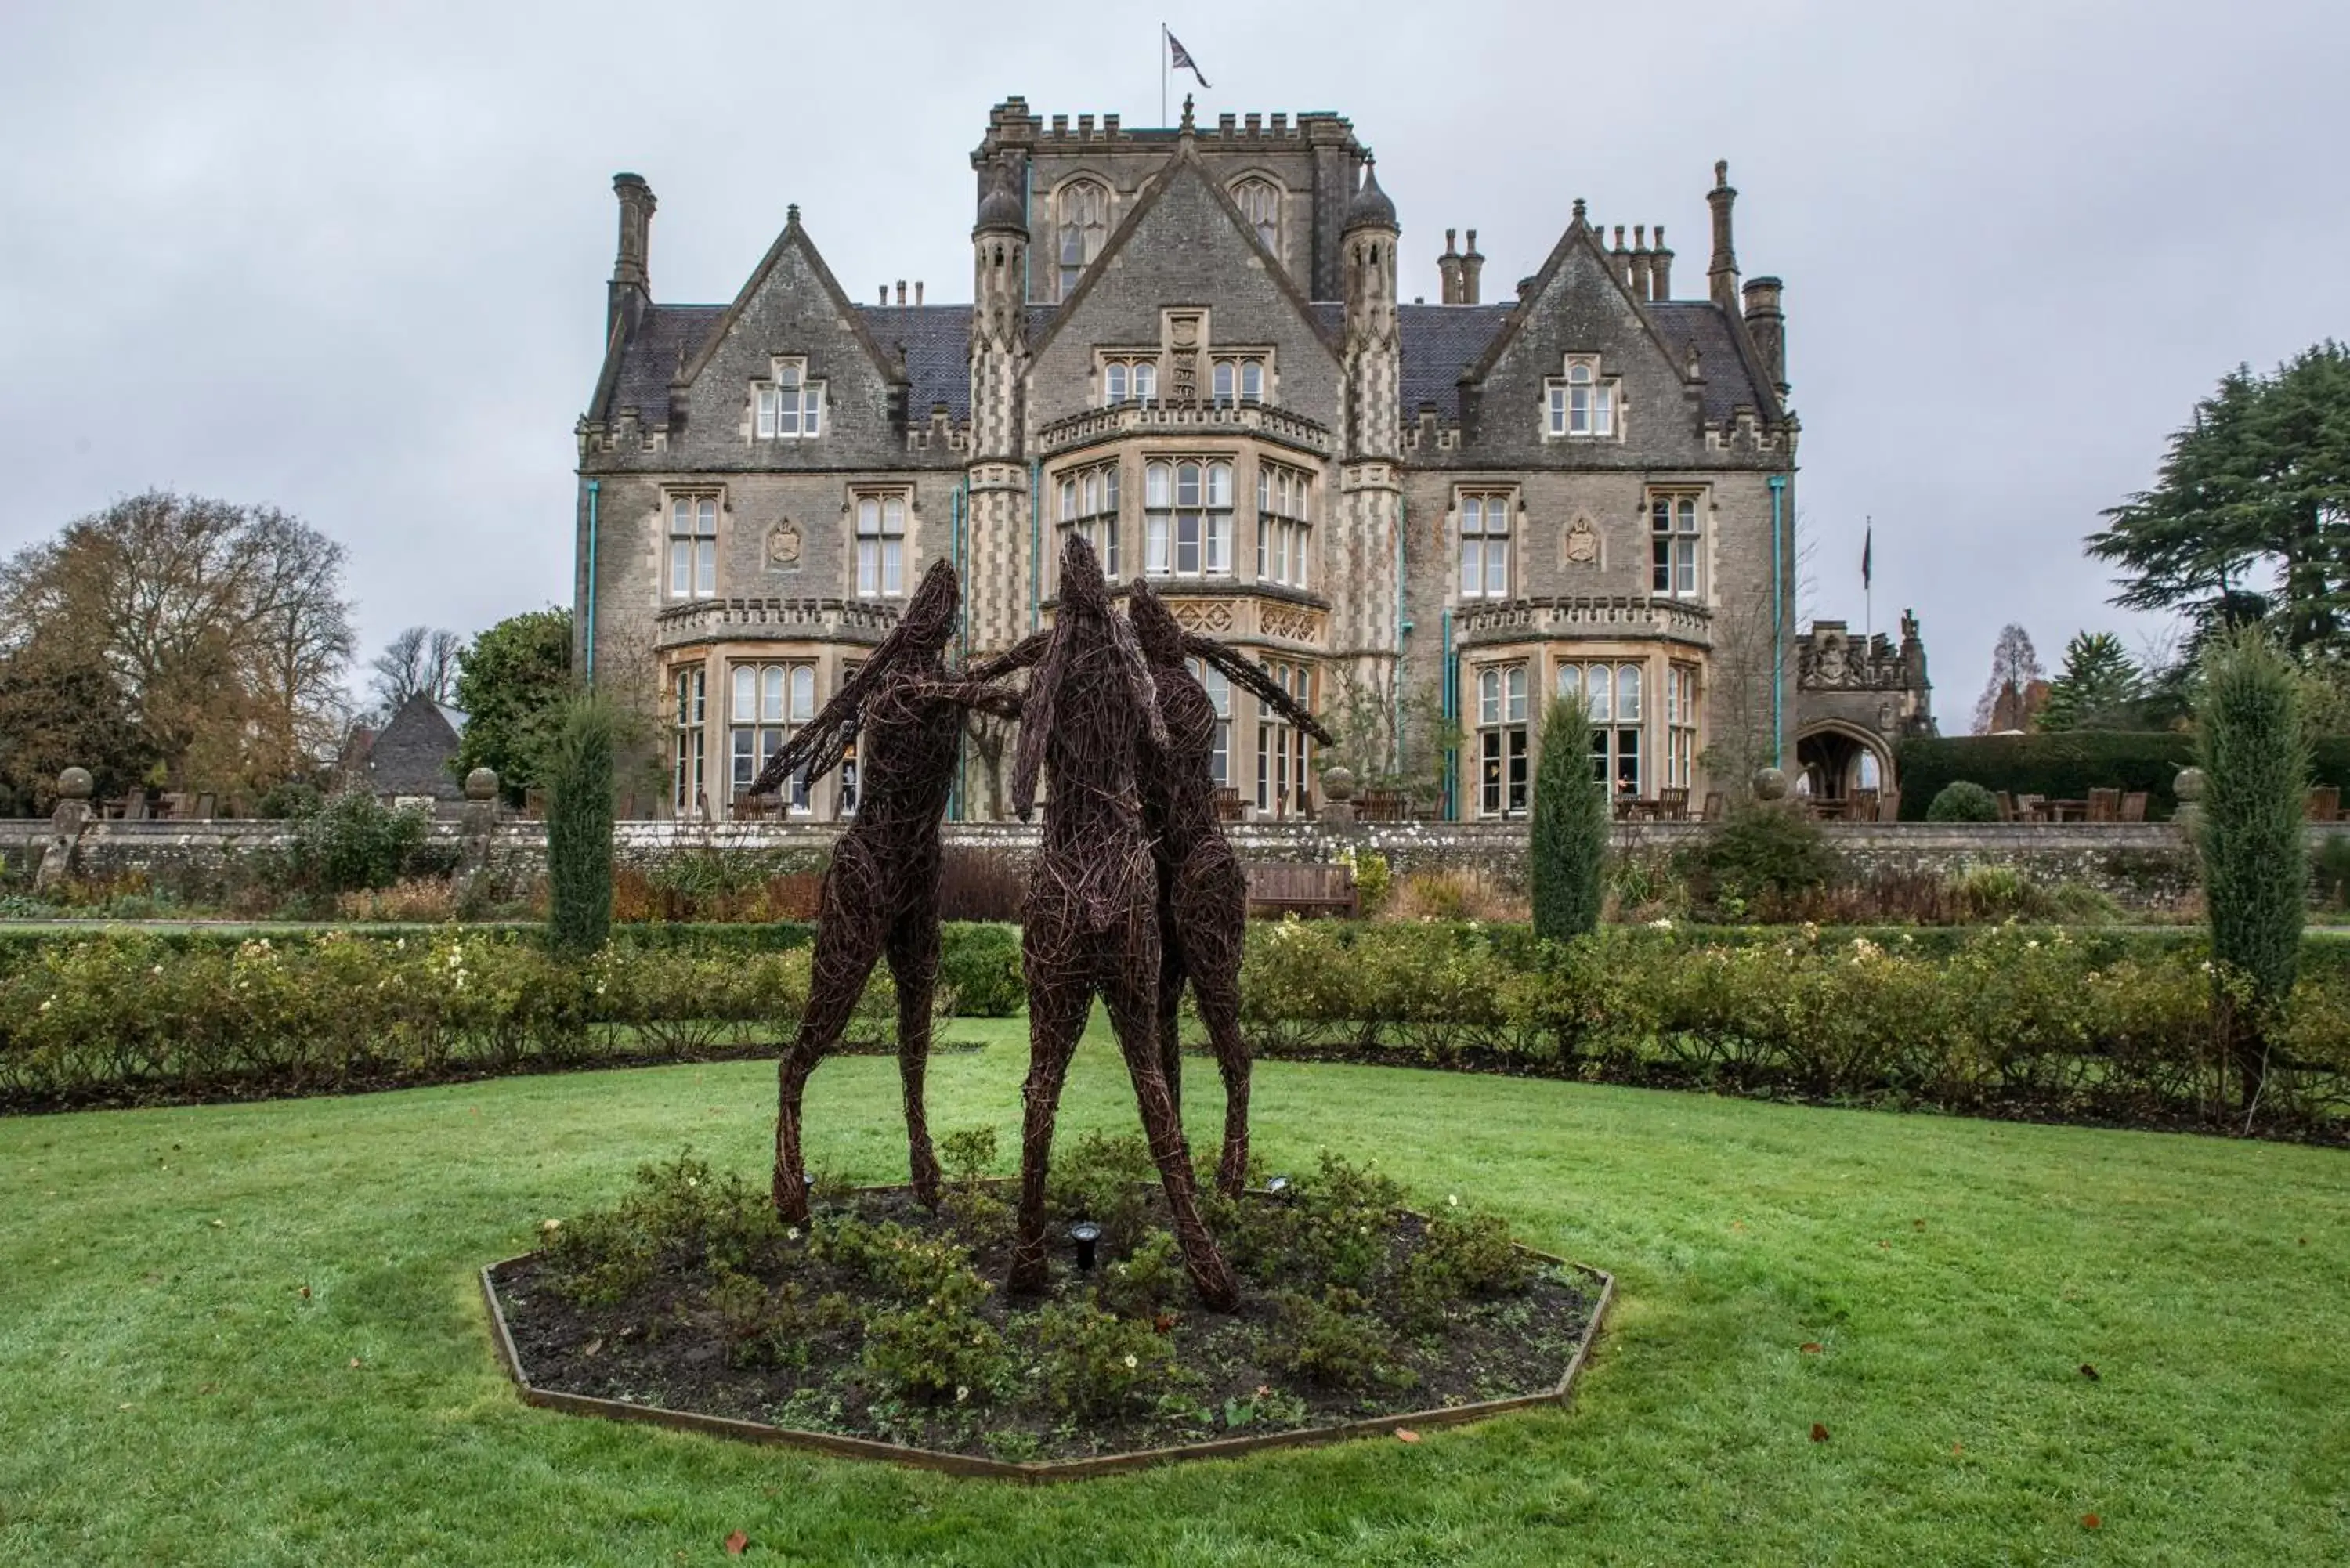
(1092, 923)
(881, 895)
(1202, 894)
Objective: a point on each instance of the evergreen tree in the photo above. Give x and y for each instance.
(2099, 688)
(512, 683)
(579, 782)
(2255, 760)
(1569, 842)
(2249, 516)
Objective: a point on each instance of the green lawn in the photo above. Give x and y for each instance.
(168, 1394)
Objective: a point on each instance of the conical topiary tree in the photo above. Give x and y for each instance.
(2255, 760)
(1569, 847)
(578, 771)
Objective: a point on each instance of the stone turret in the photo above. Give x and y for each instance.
(995, 596)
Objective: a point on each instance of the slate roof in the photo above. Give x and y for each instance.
(1437, 340)
(652, 357)
(410, 755)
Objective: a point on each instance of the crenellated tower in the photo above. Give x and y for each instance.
(997, 600)
(1366, 547)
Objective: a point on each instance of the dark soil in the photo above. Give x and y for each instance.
(664, 1345)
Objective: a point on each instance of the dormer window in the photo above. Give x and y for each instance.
(791, 406)
(1125, 380)
(1084, 215)
(1583, 401)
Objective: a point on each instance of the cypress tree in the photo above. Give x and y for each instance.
(579, 768)
(1569, 846)
(2255, 760)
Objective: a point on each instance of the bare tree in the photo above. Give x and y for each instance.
(223, 625)
(2014, 672)
(1747, 672)
(419, 661)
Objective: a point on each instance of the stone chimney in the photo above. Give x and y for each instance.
(918, 291)
(1472, 267)
(1447, 269)
(1660, 268)
(901, 291)
(1622, 256)
(1640, 261)
(631, 289)
(1767, 324)
(1721, 275)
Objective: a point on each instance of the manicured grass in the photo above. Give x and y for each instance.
(168, 1394)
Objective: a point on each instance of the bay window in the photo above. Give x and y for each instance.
(1502, 777)
(1188, 518)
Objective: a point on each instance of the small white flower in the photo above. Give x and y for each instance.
(550, 1226)
(962, 1392)
(1663, 924)
(45, 1006)
(793, 1234)
(1131, 1363)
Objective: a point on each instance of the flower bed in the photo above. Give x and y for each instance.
(882, 1326)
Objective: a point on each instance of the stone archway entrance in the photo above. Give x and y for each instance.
(1834, 761)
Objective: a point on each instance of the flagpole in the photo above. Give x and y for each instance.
(1162, 74)
(1868, 584)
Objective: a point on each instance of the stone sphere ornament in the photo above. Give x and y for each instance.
(2188, 785)
(1770, 783)
(1338, 783)
(481, 783)
(75, 783)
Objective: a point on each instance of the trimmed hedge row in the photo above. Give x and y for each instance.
(2117, 1028)
(2068, 765)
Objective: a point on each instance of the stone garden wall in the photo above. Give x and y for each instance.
(2143, 866)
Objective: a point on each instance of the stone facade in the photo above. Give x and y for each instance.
(1191, 343)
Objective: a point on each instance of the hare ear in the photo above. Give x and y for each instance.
(1139, 683)
(1036, 718)
(1253, 678)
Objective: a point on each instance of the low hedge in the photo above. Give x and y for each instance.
(2068, 765)
(2118, 1025)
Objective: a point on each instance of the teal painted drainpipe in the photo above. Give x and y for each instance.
(963, 639)
(1035, 545)
(594, 487)
(1403, 625)
(1448, 702)
(1778, 623)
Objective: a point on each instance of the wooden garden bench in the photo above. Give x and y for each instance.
(1305, 889)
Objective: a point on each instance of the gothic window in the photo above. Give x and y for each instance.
(692, 546)
(881, 544)
(1220, 696)
(1084, 226)
(1283, 529)
(1089, 506)
(1124, 379)
(1502, 777)
(1676, 529)
(1283, 752)
(1611, 695)
(1582, 403)
(1484, 544)
(767, 703)
(1260, 202)
(1188, 518)
(1238, 380)
(691, 684)
(791, 406)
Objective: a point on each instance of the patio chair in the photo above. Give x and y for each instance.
(2031, 808)
(1717, 805)
(2007, 812)
(1862, 807)
(2104, 805)
(2325, 803)
(2134, 805)
(1672, 805)
(1888, 806)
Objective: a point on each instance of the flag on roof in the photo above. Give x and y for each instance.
(1867, 554)
(1180, 58)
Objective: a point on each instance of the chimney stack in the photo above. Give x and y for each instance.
(1640, 261)
(884, 300)
(901, 291)
(1767, 324)
(631, 289)
(1721, 275)
(1660, 268)
(918, 291)
(1447, 268)
(1622, 255)
(1472, 266)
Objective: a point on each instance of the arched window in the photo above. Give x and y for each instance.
(769, 702)
(1084, 226)
(1188, 520)
(1260, 202)
(1612, 697)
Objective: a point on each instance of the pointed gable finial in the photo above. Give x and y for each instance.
(1578, 209)
(1187, 128)
(1720, 172)
(1370, 208)
(791, 213)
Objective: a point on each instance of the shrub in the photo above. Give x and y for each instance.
(2064, 766)
(1963, 800)
(1090, 1362)
(1108, 1181)
(983, 967)
(2255, 849)
(1374, 879)
(579, 766)
(1337, 1340)
(353, 841)
(2332, 861)
(1568, 847)
(1146, 1280)
(980, 884)
(1764, 849)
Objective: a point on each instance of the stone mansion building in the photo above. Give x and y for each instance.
(1187, 343)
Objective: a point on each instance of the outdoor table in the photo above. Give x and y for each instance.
(2067, 810)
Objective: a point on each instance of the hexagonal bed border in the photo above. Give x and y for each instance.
(843, 1447)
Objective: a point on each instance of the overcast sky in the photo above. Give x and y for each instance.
(353, 265)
